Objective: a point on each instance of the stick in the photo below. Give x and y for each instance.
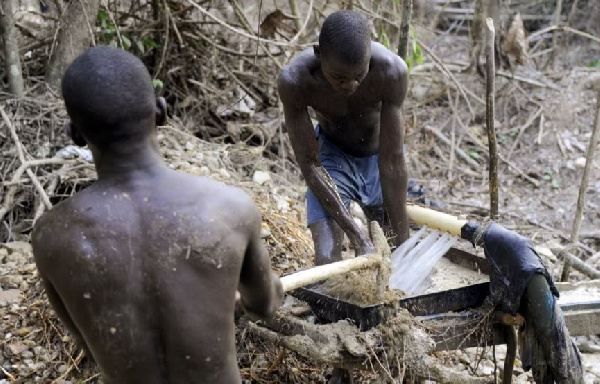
(563, 28)
(21, 156)
(557, 13)
(522, 129)
(489, 117)
(296, 13)
(508, 162)
(404, 28)
(578, 265)
(322, 272)
(462, 154)
(241, 32)
(445, 70)
(584, 182)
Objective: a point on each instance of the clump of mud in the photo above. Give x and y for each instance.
(367, 286)
(359, 287)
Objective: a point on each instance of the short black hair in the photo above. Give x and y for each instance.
(345, 35)
(109, 96)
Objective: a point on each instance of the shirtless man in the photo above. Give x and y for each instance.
(143, 265)
(356, 88)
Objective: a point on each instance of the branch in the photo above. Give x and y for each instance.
(489, 116)
(584, 182)
(404, 28)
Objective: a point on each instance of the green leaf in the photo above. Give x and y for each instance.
(140, 46)
(418, 54)
(149, 43)
(548, 176)
(474, 155)
(126, 42)
(384, 38)
(113, 43)
(156, 83)
(555, 184)
(102, 16)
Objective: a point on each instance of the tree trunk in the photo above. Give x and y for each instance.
(75, 35)
(11, 49)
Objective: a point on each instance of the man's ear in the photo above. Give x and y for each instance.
(317, 51)
(161, 111)
(75, 135)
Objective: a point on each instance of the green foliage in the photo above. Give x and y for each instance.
(156, 83)
(594, 64)
(548, 177)
(385, 40)
(109, 36)
(415, 55)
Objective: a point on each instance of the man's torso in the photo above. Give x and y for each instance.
(351, 122)
(148, 274)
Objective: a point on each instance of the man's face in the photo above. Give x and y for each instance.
(344, 78)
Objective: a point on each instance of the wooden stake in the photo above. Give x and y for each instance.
(489, 116)
(584, 182)
(405, 28)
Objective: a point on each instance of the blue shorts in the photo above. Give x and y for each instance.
(356, 178)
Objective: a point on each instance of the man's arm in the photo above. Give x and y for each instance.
(260, 289)
(392, 164)
(40, 247)
(302, 138)
(65, 318)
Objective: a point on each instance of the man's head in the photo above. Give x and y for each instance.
(110, 99)
(344, 50)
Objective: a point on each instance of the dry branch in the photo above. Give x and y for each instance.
(462, 154)
(584, 182)
(243, 33)
(490, 115)
(404, 28)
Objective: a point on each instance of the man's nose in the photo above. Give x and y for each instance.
(350, 85)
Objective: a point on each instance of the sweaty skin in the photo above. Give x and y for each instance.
(143, 267)
(359, 109)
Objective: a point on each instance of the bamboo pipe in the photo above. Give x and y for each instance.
(323, 272)
(435, 219)
(419, 215)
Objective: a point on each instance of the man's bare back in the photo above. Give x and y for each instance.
(352, 121)
(143, 267)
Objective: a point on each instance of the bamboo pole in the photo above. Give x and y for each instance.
(323, 272)
(584, 182)
(435, 219)
(489, 117)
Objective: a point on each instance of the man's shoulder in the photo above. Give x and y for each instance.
(387, 63)
(295, 74)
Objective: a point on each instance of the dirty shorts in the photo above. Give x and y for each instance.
(356, 178)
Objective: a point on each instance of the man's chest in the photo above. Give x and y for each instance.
(335, 107)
